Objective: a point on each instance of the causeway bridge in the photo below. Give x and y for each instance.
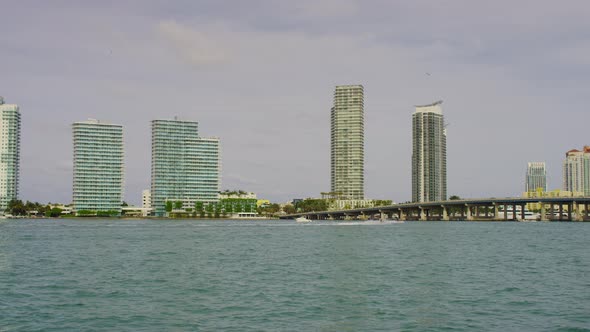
(490, 209)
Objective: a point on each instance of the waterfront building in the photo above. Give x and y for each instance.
(539, 193)
(10, 151)
(576, 171)
(236, 194)
(98, 168)
(536, 177)
(146, 199)
(429, 154)
(185, 167)
(347, 142)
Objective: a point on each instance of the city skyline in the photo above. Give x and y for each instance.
(503, 84)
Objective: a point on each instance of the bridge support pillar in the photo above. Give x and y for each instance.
(445, 213)
(586, 210)
(383, 216)
(402, 215)
(423, 215)
(560, 211)
(522, 214)
(496, 211)
(578, 213)
(514, 213)
(468, 213)
(505, 212)
(543, 212)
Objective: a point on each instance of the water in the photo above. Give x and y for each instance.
(137, 275)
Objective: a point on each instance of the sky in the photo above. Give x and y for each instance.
(260, 74)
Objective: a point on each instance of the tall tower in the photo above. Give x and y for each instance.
(347, 142)
(536, 177)
(185, 167)
(576, 171)
(429, 154)
(98, 167)
(10, 152)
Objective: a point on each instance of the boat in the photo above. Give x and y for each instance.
(302, 219)
(528, 215)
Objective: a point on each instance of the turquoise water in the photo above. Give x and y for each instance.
(137, 275)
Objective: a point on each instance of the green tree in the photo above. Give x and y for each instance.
(454, 198)
(289, 209)
(16, 208)
(312, 204)
(209, 208)
(178, 205)
(168, 206)
(53, 213)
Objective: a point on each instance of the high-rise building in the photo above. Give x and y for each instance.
(98, 167)
(536, 177)
(10, 152)
(429, 154)
(347, 142)
(576, 171)
(185, 167)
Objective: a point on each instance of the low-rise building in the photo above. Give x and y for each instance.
(539, 193)
(146, 199)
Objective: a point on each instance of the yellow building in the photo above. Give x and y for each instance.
(262, 202)
(539, 193)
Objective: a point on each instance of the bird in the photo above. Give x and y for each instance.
(428, 74)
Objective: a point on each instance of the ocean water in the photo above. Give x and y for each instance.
(148, 275)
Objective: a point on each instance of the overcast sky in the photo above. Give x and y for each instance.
(260, 74)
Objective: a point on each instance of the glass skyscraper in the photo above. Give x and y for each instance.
(347, 142)
(98, 167)
(429, 154)
(185, 167)
(536, 177)
(10, 153)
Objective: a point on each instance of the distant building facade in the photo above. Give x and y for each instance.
(347, 142)
(98, 167)
(576, 171)
(429, 154)
(536, 177)
(10, 152)
(185, 167)
(146, 199)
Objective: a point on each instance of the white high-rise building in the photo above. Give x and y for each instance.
(347, 143)
(98, 168)
(9, 152)
(576, 171)
(429, 154)
(536, 177)
(185, 166)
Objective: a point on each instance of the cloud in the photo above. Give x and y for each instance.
(193, 47)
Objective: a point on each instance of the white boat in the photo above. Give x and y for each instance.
(302, 219)
(528, 215)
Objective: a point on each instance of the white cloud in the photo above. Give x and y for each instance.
(194, 47)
